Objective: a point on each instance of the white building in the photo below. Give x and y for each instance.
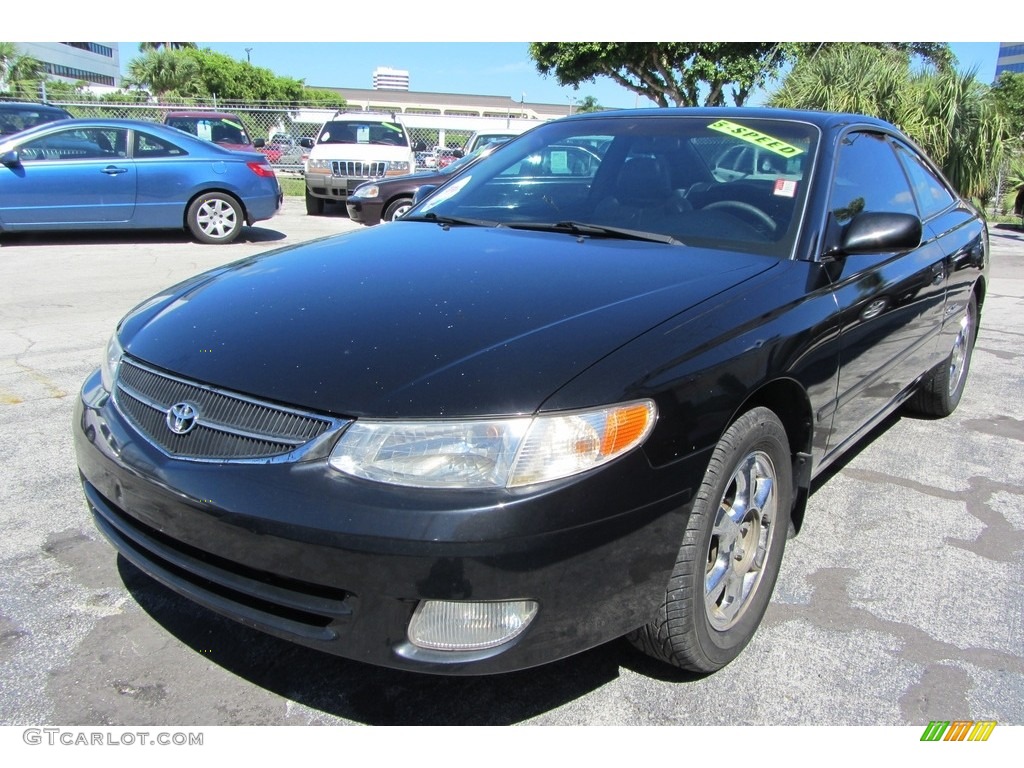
(97, 64)
(387, 79)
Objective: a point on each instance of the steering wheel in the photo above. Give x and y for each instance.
(752, 211)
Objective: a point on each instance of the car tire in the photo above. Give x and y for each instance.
(940, 392)
(314, 205)
(215, 217)
(397, 209)
(731, 552)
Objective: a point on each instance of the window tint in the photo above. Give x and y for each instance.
(147, 145)
(932, 195)
(76, 144)
(869, 178)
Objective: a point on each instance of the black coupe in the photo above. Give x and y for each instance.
(555, 403)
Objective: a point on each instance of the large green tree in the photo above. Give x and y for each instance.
(193, 72)
(695, 74)
(1008, 92)
(669, 74)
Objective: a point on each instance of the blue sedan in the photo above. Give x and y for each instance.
(129, 174)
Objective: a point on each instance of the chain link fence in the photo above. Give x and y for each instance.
(283, 127)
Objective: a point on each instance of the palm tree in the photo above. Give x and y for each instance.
(166, 73)
(949, 114)
(853, 78)
(17, 68)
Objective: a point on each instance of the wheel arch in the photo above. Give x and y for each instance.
(221, 190)
(788, 400)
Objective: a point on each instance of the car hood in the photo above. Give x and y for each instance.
(416, 320)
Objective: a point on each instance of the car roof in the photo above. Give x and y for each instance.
(32, 105)
(824, 120)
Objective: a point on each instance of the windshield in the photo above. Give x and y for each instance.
(356, 132)
(737, 183)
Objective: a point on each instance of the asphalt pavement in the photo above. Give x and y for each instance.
(899, 603)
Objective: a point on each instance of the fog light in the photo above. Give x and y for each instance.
(444, 625)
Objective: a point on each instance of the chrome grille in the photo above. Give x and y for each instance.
(357, 169)
(227, 426)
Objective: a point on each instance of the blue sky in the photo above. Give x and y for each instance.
(334, 43)
(495, 69)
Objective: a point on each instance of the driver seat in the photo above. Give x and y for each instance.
(642, 196)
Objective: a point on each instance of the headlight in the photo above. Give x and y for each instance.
(491, 453)
(318, 166)
(367, 191)
(111, 360)
(398, 168)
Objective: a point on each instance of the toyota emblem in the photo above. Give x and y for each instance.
(181, 418)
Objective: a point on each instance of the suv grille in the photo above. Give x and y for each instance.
(226, 425)
(357, 169)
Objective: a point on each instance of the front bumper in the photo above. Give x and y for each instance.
(363, 211)
(329, 187)
(305, 553)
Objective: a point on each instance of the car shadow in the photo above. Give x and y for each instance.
(376, 695)
(133, 237)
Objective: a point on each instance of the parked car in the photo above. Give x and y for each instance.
(540, 410)
(223, 128)
(481, 139)
(352, 148)
(294, 152)
(128, 174)
(16, 116)
(444, 157)
(387, 199)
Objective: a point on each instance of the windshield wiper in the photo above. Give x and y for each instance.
(449, 220)
(582, 228)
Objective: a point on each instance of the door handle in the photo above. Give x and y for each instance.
(113, 170)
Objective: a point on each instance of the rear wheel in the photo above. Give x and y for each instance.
(314, 205)
(732, 550)
(939, 394)
(215, 217)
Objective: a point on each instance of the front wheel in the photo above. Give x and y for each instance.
(397, 209)
(215, 217)
(731, 552)
(314, 205)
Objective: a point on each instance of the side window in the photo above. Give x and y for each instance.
(76, 144)
(869, 178)
(147, 145)
(932, 195)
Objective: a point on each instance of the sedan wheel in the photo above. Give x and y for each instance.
(939, 394)
(215, 218)
(731, 552)
(397, 209)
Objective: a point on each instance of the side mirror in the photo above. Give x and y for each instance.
(879, 232)
(11, 158)
(459, 153)
(259, 143)
(423, 192)
(306, 142)
(421, 146)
